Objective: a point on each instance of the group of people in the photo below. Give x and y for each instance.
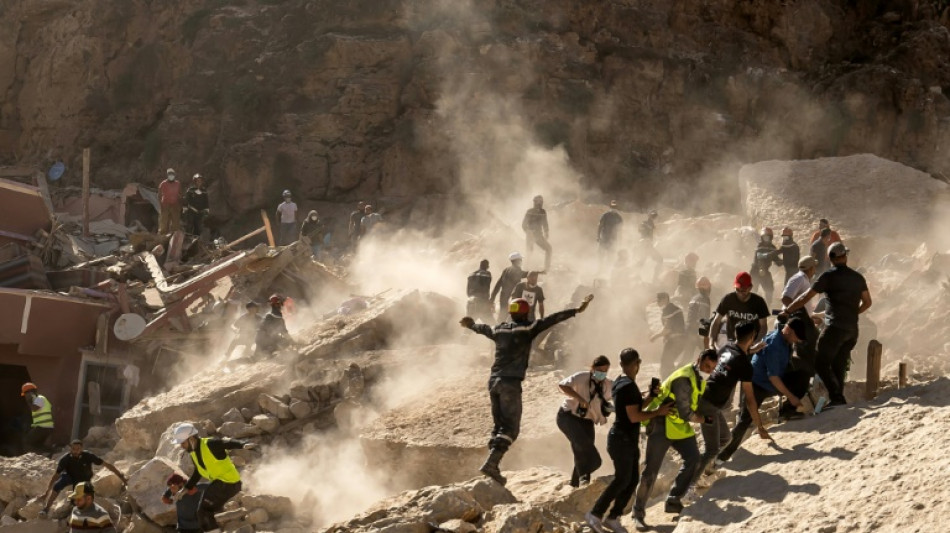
(194, 204)
(734, 350)
(266, 334)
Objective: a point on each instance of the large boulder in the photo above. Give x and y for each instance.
(24, 476)
(146, 487)
(275, 506)
(207, 395)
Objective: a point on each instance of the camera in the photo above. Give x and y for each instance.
(606, 408)
(704, 324)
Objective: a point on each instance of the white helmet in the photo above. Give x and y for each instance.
(183, 432)
(514, 256)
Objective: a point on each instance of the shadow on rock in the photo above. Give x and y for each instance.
(730, 500)
(745, 460)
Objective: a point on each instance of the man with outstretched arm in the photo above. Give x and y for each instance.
(512, 348)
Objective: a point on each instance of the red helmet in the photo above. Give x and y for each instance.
(275, 299)
(519, 306)
(27, 387)
(703, 283)
(787, 232)
(767, 231)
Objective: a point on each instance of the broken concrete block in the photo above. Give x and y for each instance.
(233, 415)
(146, 487)
(140, 524)
(268, 422)
(300, 392)
(107, 484)
(239, 430)
(6, 521)
(246, 528)
(249, 413)
(300, 409)
(458, 526)
(276, 506)
(257, 516)
(227, 517)
(32, 509)
(274, 406)
(14, 506)
(352, 383)
(26, 476)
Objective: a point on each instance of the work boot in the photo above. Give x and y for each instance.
(673, 506)
(640, 524)
(490, 468)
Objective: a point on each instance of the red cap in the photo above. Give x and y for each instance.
(743, 280)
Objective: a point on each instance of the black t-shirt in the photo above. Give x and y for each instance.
(736, 311)
(843, 287)
(734, 366)
(820, 252)
(534, 295)
(625, 392)
(79, 468)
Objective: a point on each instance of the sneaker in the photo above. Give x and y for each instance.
(614, 525)
(673, 507)
(640, 524)
(495, 474)
(595, 523)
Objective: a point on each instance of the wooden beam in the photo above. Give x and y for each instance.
(270, 232)
(85, 191)
(874, 369)
(902, 375)
(254, 233)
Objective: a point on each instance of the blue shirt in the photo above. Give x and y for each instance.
(771, 360)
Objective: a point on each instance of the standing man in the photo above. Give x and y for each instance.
(535, 226)
(369, 221)
(72, 469)
(734, 366)
(354, 230)
(765, 255)
(587, 403)
(819, 250)
(196, 206)
(790, 253)
(287, 215)
(647, 232)
(797, 286)
(609, 230)
(673, 333)
(700, 308)
(477, 289)
(771, 377)
(313, 229)
(682, 389)
(211, 460)
(512, 348)
(87, 515)
(623, 445)
(41, 427)
(848, 297)
(824, 225)
(169, 200)
(533, 293)
(739, 306)
(686, 278)
(510, 277)
(245, 329)
(272, 334)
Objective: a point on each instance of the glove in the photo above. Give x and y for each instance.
(467, 322)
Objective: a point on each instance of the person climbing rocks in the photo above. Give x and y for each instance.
(848, 297)
(682, 388)
(353, 229)
(73, 468)
(197, 206)
(533, 293)
(314, 229)
(587, 404)
(609, 230)
(287, 217)
(186, 505)
(673, 333)
(699, 308)
(87, 515)
(766, 254)
(509, 277)
(245, 329)
(771, 377)
(535, 226)
(41, 426)
(369, 221)
(739, 306)
(623, 444)
(513, 341)
(790, 253)
(169, 202)
(212, 462)
(272, 334)
(477, 290)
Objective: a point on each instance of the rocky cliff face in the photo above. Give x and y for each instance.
(417, 104)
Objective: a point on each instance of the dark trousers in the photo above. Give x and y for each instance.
(288, 233)
(35, 440)
(715, 434)
(580, 432)
(764, 281)
(797, 383)
(672, 350)
(194, 223)
(806, 351)
(505, 394)
(535, 237)
(657, 446)
(833, 357)
(212, 502)
(624, 450)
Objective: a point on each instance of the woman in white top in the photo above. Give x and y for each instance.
(587, 403)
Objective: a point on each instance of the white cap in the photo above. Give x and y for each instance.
(170, 171)
(287, 192)
(183, 432)
(514, 256)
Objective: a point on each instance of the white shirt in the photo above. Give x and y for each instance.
(288, 212)
(798, 285)
(581, 383)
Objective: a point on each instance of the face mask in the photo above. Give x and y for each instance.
(598, 375)
(171, 178)
(313, 218)
(704, 375)
(767, 238)
(787, 238)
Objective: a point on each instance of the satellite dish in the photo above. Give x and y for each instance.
(128, 326)
(56, 171)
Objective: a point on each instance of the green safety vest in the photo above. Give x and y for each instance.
(43, 418)
(214, 469)
(676, 427)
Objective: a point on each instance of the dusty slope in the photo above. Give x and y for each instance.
(870, 467)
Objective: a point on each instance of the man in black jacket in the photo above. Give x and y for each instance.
(512, 348)
(196, 206)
